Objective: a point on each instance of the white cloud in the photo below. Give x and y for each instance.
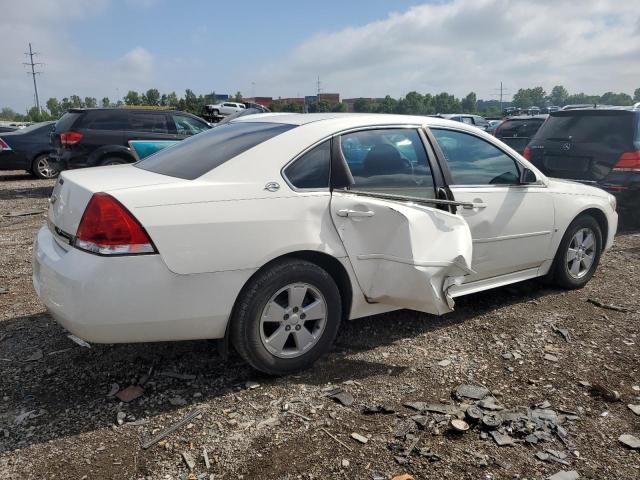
(464, 45)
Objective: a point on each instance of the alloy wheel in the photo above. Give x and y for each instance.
(44, 168)
(293, 320)
(581, 253)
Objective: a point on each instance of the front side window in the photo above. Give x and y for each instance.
(200, 154)
(466, 120)
(187, 125)
(392, 161)
(311, 170)
(474, 161)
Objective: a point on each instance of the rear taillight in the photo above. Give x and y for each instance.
(527, 153)
(108, 228)
(628, 162)
(4, 147)
(70, 138)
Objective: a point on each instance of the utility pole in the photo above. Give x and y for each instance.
(318, 91)
(33, 73)
(503, 91)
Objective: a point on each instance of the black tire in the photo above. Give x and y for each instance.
(40, 168)
(245, 325)
(112, 161)
(559, 274)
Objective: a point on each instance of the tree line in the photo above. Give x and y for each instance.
(413, 103)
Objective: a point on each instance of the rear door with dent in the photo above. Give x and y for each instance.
(405, 246)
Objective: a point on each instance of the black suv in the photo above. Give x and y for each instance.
(599, 146)
(88, 137)
(518, 131)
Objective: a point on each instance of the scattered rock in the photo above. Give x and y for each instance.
(177, 401)
(177, 376)
(250, 385)
(359, 438)
(459, 425)
(345, 463)
(384, 409)
(78, 341)
(501, 439)
(268, 422)
(474, 392)
(130, 393)
(36, 355)
(341, 396)
(565, 475)
(630, 441)
(188, 459)
(634, 408)
(120, 417)
(113, 390)
(604, 392)
(550, 357)
(444, 363)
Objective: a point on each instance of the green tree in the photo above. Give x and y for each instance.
(339, 107)
(54, 107)
(76, 101)
(446, 103)
(578, 98)
(320, 107)
(469, 103)
(65, 104)
(106, 103)
(90, 102)
(172, 100)
(237, 97)
(529, 97)
(35, 115)
(610, 98)
(636, 95)
(132, 98)
(411, 104)
(8, 113)
(558, 96)
(151, 97)
(387, 105)
(363, 105)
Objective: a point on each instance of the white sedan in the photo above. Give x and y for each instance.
(270, 230)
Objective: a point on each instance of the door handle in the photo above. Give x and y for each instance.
(355, 213)
(474, 206)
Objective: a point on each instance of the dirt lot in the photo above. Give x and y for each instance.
(57, 420)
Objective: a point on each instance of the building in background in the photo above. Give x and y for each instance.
(264, 101)
(332, 98)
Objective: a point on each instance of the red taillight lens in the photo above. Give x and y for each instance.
(4, 146)
(527, 153)
(628, 162)
(108, 228)
(70, 138)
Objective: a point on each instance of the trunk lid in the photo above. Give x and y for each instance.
(74, 189)
(582, 145)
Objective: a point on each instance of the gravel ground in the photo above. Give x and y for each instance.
(57, 419)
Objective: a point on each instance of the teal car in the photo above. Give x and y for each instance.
(143, 148)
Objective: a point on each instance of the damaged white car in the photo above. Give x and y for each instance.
(270, 230)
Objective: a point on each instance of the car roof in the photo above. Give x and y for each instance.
(541, 116)
(346, 120)
(127, 109)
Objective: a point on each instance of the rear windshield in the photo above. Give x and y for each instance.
(202, 153)
(66, 121)
(597, 127)
(519, 128)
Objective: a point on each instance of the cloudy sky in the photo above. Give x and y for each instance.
(358, 48)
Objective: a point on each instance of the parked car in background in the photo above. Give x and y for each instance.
(28, 149)
(598, 146)
(475, 120)
(143, 148)
(493, 124)
(226, 108)
(518, 131)
(272, 229)
(89, 137)
(6, 128)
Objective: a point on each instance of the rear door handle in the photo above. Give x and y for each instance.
(474, 206)
(355, 213)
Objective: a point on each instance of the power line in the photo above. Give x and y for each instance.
(33, 72)
(503, 91)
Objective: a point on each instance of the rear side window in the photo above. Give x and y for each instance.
(612, 128)
(148, 122)
(105, 120)
(311, 170)
(200, 154)
(66, 121)
(519, 128)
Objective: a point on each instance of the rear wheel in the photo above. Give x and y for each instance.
(112, 161)
(41, 167)
(578, 254)
(287, 317)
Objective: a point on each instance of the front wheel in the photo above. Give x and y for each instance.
(287, 317)
(41, 168)
(578, 254)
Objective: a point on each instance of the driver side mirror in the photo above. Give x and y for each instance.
(527, 176)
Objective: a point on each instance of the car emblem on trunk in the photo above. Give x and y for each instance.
(565, 146)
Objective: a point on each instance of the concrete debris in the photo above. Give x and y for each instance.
(188, 459)
(474, 392)
(79, 341)
(501, 439)
(359, 438)
(341, 396)
(130, 393)
(634, 408)
(565, 475)
(630, 441)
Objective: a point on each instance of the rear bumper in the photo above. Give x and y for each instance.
(67, 161)
(130, 299)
